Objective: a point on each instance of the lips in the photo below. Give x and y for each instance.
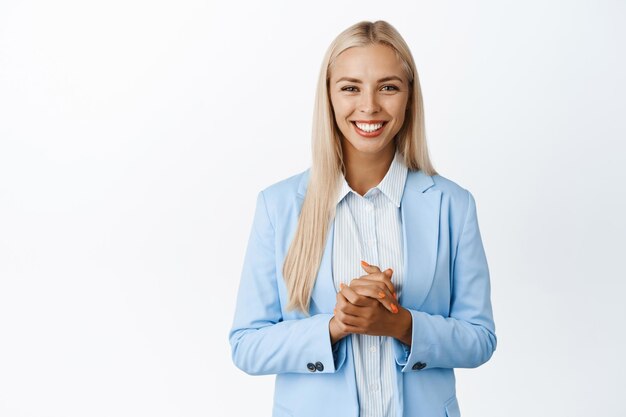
(369, 128)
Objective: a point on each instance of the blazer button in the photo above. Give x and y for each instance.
(418, 366)
(310, 367)
(319, 366)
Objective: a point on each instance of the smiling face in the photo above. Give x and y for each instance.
(369, 91)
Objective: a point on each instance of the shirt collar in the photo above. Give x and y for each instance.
(392, 184)
(345, 189)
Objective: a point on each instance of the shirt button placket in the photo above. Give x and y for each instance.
(370, 232)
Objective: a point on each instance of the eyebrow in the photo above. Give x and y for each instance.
(382, 80)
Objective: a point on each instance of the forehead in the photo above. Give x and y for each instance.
(367, 62)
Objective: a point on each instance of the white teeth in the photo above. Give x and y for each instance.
(368, 127)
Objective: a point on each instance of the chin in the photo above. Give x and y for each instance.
(369, 146)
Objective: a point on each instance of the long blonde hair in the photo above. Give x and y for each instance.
(318, 209)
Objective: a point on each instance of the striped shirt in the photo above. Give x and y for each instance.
(369, 228)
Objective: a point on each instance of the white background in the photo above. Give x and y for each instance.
(135, 135)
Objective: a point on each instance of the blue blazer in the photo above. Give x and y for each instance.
(446, 288)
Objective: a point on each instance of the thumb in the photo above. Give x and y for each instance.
(370, 269)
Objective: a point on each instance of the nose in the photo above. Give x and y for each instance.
(369, 102)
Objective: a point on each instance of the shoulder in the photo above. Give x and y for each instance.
(284, 196)
(287, 187)
(457, 200)
(450, 188)
(455, 203)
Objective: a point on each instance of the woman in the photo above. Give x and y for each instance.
(365, 281)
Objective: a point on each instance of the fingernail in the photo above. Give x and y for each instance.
(381, 295)
(341, 286)
(334, 311)
(389, 272)
(395, 295)
(394, 309)
(365, 264)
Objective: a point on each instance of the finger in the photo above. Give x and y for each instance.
(383, 296)
(347, 324)
(380, 285)
(384, 276)
(345, 308)
(349, 313)
(355, 298)
(369, 282)
(373, 269)
(370, 269)
(352, 321)
(351, 329)
(342, 303)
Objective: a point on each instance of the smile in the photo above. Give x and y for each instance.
(370, 128)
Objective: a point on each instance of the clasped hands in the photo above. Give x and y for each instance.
(369, 306)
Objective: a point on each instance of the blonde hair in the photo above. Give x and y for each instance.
(318, 209)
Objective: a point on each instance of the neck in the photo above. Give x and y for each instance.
(365, 171)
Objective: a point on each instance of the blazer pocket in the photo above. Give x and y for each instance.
(452, 408)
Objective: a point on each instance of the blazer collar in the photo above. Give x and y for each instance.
(419, 182)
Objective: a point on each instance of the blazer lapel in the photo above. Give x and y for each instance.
(420, 222)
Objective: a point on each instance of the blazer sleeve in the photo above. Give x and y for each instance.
(466, 338)
(261, 341)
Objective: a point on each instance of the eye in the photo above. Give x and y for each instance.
(349, 89)
(389, 88)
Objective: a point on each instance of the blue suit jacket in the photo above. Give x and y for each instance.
(446, 289)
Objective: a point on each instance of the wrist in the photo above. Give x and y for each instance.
(404, 330)
(335, 333)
